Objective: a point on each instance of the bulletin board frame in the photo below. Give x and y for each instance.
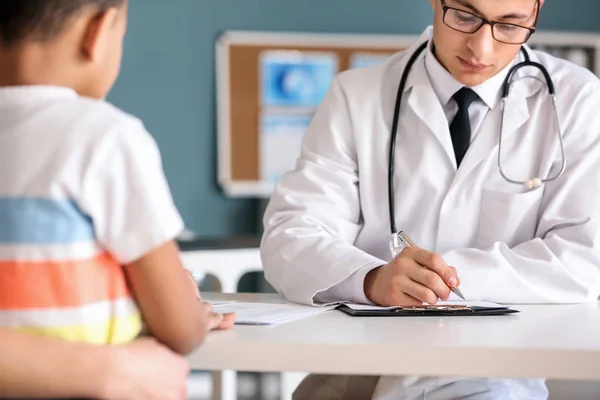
(238, 106)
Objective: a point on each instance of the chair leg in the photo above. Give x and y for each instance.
(289, 383)
(224, 385)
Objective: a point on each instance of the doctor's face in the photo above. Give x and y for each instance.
(473, 58)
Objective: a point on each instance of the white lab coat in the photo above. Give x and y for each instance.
(328, 218)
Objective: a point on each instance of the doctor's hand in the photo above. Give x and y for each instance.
(414, 277)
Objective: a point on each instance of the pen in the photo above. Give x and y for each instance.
(402, 241)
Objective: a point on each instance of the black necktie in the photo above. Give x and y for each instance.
(460, 129)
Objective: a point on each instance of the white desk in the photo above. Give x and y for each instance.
(556, 342)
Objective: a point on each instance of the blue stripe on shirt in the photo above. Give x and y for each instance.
(43, 221)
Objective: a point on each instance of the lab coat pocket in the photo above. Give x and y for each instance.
(510, 218)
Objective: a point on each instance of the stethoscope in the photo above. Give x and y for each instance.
(398, 239)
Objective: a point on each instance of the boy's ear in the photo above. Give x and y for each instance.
(97, 33)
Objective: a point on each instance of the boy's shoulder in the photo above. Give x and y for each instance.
(97, 116)
(92, 124)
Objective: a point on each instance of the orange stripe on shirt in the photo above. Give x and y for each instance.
(29, 285)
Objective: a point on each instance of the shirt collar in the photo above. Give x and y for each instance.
(11, 96)
(445, 85)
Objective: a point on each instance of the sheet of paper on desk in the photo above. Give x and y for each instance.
(220, 303)
(268, 313)
(363, 307)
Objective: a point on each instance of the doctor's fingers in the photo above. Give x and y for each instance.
(419, 292)
(436, 263)
(456, 275)
(431, 281)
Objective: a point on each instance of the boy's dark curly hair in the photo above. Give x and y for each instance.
(40, 20)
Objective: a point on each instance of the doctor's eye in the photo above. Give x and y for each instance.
(506, 28)
(465, 18)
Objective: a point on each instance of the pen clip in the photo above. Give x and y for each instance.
(406, 239)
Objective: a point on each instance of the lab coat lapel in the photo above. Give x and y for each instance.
(426, 105)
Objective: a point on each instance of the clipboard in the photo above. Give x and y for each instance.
(445, 310)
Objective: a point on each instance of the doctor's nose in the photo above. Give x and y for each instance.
(482, 42)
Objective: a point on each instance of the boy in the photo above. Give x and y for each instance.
(87, 223)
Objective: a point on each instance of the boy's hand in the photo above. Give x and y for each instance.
(218, 321)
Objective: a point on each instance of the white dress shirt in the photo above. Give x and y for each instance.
(444, 86)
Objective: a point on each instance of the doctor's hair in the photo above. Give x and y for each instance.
(43, 20)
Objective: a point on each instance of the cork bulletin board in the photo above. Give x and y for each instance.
(269, 84)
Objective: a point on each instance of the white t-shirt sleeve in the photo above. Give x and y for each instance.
(127, 195)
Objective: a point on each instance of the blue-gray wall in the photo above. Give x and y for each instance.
(168, 77)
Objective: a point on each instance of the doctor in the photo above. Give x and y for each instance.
(522, 230)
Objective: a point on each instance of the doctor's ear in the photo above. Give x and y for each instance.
(433, 3)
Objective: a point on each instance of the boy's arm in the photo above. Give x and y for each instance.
(172, 309)
(126, 194)
(34, 366)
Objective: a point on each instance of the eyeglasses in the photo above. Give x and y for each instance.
(466, 22)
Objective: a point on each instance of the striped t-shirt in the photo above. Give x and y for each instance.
(82, 193)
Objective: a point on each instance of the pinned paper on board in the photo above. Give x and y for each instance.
(296, 78)
(281, 137)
